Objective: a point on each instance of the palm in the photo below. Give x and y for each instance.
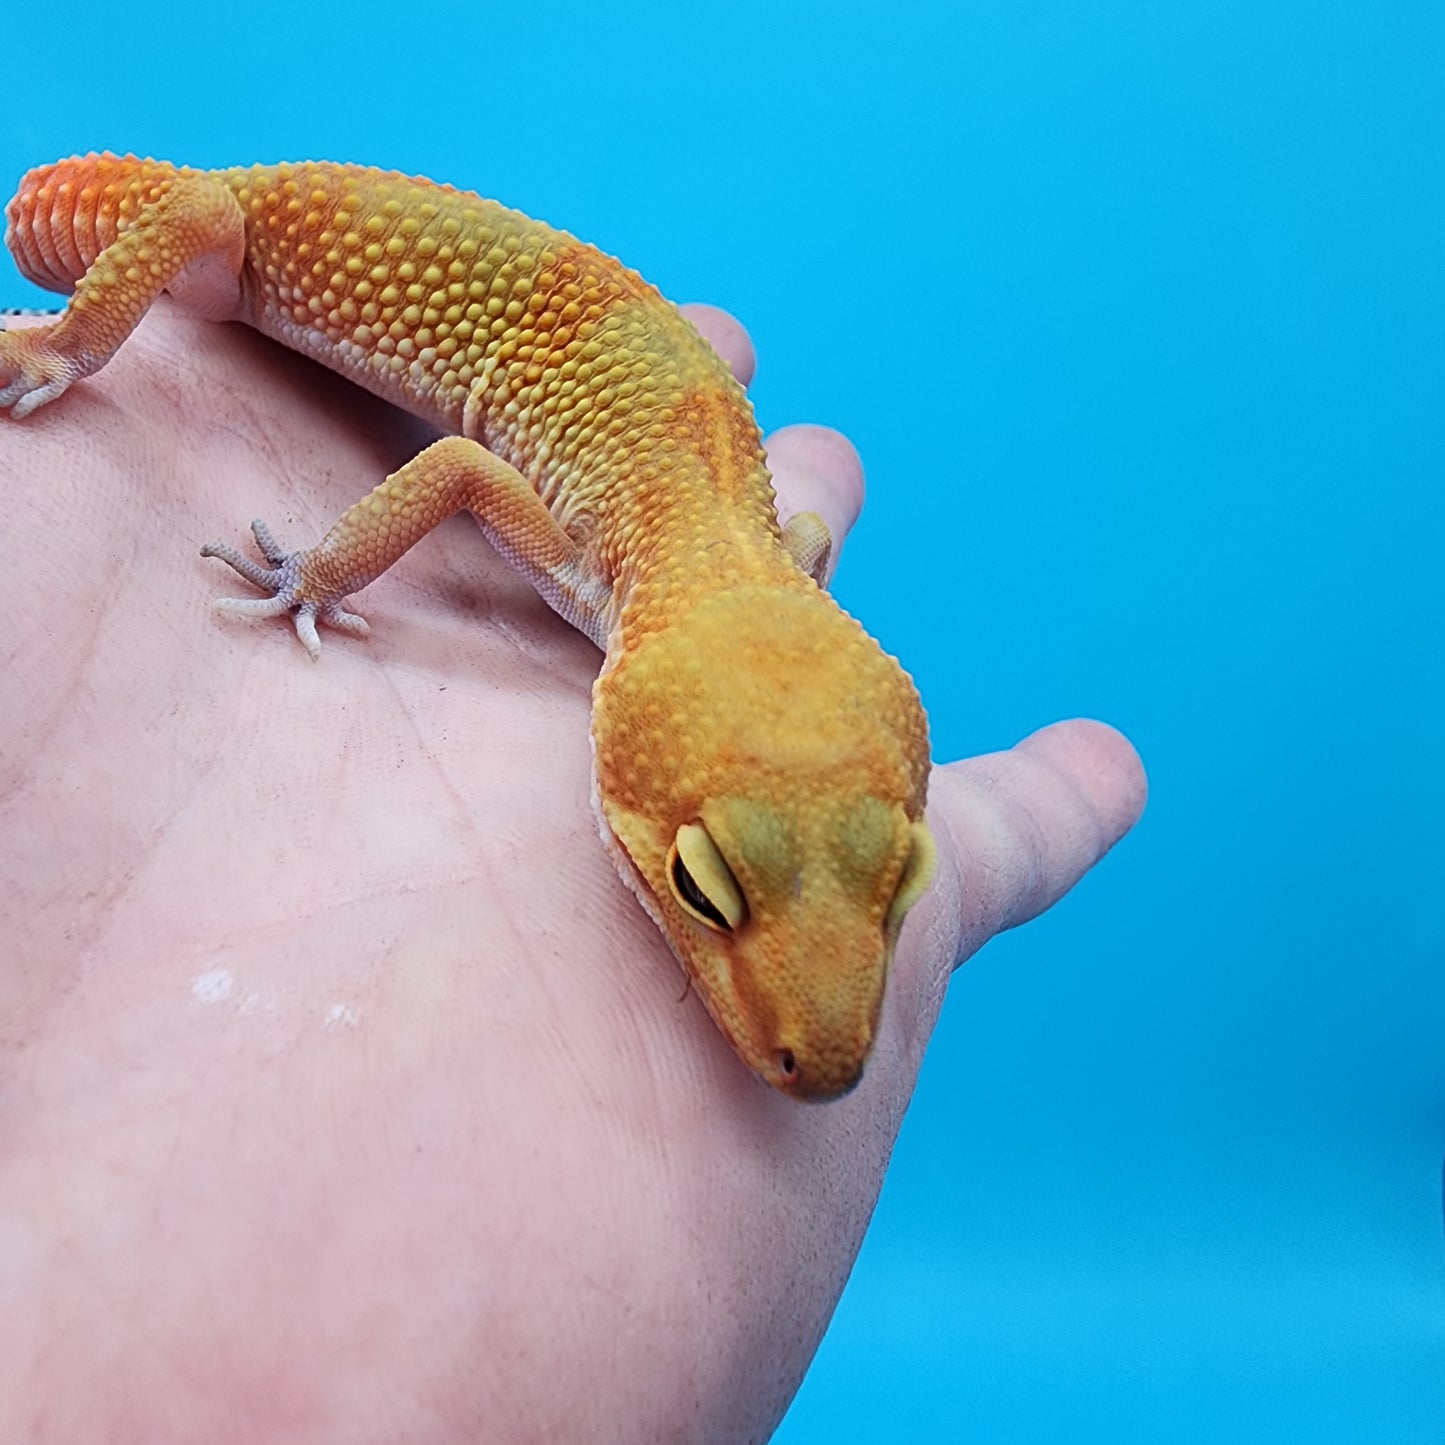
(371, 1097)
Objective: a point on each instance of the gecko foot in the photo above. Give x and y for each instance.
(32, 372)
(284, 579)
(810, 544)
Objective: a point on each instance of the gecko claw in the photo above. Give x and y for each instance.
(284, 581)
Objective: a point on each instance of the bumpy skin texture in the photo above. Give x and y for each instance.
(760, 765)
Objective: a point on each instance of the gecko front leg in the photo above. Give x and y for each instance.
(453, 475)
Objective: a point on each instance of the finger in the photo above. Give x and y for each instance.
(727, 335)
(1018, 829)
(816, 469)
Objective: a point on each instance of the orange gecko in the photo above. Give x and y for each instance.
(760, 764)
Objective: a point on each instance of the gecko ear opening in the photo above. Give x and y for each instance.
(703, 883)
(917, 875)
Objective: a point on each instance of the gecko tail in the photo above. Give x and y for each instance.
(64, 214)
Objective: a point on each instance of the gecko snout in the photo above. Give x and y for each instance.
(795, 1073)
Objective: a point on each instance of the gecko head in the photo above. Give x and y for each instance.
(761, 766)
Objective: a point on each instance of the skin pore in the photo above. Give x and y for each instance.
(347, 1094)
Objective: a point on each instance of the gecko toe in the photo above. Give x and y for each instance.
(268, 579)
(286, 582)
(31, 372)
(344, 621)
(267, 544)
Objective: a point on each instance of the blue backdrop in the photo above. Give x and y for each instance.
(1137, 314)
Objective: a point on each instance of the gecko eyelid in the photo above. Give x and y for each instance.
(693, 897)
(702, 881)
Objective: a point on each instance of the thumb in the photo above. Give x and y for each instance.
(1015, 831)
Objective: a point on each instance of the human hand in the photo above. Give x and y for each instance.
(348, 1094)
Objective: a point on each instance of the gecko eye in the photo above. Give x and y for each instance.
(702, 881)
(917, 875)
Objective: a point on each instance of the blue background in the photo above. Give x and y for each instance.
(1135, 313)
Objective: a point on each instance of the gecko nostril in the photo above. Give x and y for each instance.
(788, 1064)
